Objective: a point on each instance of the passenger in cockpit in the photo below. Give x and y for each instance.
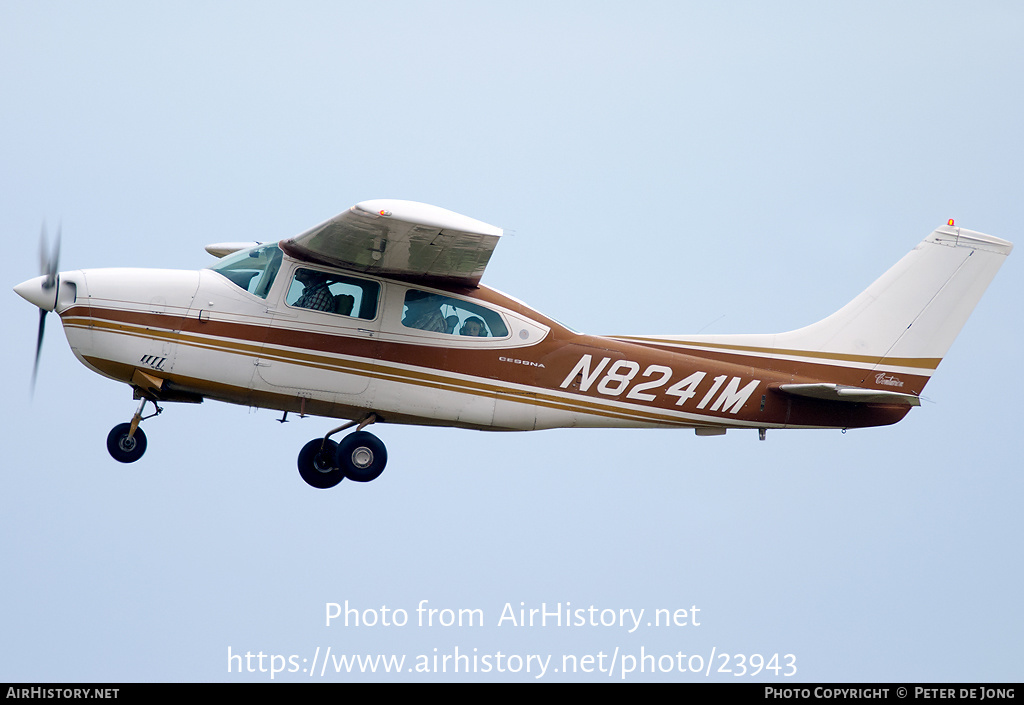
(474, 327)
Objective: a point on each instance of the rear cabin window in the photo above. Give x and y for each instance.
(333, 293)
(443, 314)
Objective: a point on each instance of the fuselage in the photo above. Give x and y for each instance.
(245, 333)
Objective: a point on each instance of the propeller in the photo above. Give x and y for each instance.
(49, 261)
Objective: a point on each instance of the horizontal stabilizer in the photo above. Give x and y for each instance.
(840, 392)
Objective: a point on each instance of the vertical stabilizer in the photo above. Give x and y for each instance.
(905, 321)
(914, 311)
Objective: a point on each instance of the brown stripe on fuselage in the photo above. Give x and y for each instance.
(540, 368)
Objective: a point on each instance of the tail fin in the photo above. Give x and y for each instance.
(905, 321)
(913, 312)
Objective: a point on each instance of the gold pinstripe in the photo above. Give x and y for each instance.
(924, 363)
(535, 395)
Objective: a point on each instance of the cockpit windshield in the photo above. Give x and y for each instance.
(253, 269)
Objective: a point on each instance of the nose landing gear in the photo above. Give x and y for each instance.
(360, 456)
(126, 442)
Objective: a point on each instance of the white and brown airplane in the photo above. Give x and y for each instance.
(378, 316)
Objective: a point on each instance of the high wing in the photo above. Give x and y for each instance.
(401, 239)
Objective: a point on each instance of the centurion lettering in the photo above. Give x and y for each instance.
(722, 393)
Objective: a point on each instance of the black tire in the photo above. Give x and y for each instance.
(124, 449)
(317, 467)
(362, 456)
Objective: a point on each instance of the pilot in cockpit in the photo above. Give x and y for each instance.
(315, 294)
(424, 312)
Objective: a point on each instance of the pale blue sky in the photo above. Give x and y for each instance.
(749, 166)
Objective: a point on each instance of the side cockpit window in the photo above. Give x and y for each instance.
(334, 293)
(444, 314)
(253, 269)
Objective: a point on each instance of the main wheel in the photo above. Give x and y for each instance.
(362, 456)
(122, 448)
(317, 466)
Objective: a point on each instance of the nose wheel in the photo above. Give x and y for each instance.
(126, 442)
(359, 456)
(123, 445)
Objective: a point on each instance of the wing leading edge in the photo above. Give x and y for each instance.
(401, 239)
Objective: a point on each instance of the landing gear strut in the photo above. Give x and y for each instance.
(126, 442)
(360, 457)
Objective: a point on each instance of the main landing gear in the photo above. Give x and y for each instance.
(359, 456)
(126, 442)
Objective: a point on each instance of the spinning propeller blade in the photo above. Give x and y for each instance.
(49, 259)
(39, 345)
(49, 262)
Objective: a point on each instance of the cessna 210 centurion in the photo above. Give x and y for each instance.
(378, 316)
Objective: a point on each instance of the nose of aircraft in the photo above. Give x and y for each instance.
(41, 291)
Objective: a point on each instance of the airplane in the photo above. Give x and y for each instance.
(377, 316)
